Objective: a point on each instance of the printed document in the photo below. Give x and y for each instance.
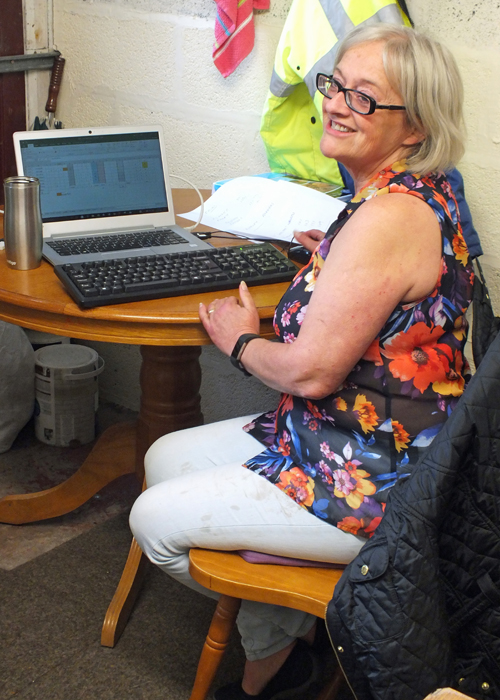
(262, 209)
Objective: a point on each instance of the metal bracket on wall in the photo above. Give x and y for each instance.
(32, 61)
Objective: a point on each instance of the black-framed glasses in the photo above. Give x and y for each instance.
(355, 100)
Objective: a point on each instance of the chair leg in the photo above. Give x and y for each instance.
(215, 645)
(331, 689)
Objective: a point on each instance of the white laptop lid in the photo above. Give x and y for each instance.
(98, 178)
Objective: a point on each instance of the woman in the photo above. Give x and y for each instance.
(370, 364)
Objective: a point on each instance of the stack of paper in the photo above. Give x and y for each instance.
(261, 209)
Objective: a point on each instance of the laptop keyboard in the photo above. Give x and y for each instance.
(124, 280)
(115, 242)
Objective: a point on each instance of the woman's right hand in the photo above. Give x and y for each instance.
(309, 239)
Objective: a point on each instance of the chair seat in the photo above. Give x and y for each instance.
(227, 573)
(301, 588)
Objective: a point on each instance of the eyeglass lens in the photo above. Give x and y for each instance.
(357, 101)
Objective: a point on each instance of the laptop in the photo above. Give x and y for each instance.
(102, 188)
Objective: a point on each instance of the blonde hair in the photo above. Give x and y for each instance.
(426, 76)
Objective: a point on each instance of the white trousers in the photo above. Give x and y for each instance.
(199, 495)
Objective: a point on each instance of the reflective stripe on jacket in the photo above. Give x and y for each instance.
(291, 126)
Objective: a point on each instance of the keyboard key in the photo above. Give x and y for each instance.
(149, 286)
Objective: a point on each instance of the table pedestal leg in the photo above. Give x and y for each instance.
(170, 395)
(111, 457)
(170, 400)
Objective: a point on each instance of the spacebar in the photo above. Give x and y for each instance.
(151, 286)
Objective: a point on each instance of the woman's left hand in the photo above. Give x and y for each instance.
(226, 319)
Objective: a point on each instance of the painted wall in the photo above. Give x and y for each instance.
(149, 61)
(126, 65)
(471, 30)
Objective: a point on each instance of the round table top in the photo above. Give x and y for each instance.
(36, 299)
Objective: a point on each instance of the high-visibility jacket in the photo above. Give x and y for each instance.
(291, 125)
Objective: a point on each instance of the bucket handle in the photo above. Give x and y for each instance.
(87, 375)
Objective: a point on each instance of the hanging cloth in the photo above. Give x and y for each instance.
(234, 32)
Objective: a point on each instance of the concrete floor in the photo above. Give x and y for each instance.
(31, 466)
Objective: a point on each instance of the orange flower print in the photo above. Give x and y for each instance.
(373, 354)
(373, 526)
(398, 188)
(286, 404)
(340, 404)
(460, 248)
(352, 486)
(353, 525)
(283, 444)
(377, 186)
(367, 416)
(401, 437)
(314, 410)
(350, 524)
(415, 357)
(297, 485)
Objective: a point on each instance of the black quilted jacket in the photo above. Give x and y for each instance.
(419, 607)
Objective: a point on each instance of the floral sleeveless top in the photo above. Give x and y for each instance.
(339, 456)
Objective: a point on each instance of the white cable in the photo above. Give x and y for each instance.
(202, 207)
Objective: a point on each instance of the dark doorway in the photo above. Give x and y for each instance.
(12, 91)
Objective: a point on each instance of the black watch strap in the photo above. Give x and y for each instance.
(238, 349)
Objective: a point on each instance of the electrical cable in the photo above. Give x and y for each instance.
(210, 234)
(202, 207)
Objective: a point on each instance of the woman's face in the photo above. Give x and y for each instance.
(365, 144)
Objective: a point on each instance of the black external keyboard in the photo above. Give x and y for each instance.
(114, 242)
(174, 274)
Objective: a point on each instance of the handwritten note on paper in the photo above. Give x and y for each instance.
(259, 208)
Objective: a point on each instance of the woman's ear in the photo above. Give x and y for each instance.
(414, 137)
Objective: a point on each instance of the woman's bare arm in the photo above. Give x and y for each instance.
(389, 252)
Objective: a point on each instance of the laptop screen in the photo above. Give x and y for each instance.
(96, 176)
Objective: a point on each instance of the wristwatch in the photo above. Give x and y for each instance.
(238, 349)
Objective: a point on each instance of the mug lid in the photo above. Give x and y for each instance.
(21, 179)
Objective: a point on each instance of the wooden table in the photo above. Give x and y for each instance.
(170, 335)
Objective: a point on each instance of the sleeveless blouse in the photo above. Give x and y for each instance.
(338, 456)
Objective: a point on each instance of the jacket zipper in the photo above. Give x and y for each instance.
(338, 658)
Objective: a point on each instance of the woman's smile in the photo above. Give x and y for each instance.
(340, 127)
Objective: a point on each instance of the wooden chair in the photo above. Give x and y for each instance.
(447, 694)
(303, 588)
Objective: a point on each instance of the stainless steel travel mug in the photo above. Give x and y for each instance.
(22, 223)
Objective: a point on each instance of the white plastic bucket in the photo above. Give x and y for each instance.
(66, 394)
(39, 340)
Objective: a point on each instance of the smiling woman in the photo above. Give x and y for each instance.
(424, 75)
(366, 142)
(369, 365)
